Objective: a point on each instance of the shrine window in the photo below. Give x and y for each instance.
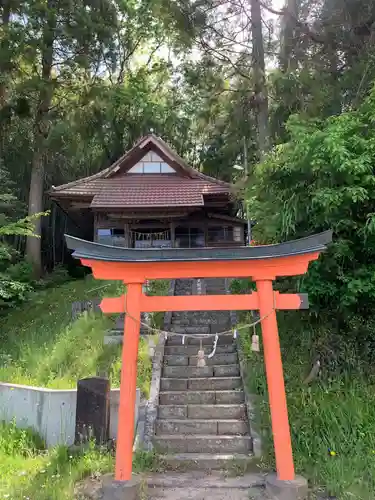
(151, 167)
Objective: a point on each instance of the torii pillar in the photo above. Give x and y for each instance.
(263, 264)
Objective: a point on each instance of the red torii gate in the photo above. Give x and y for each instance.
(262, 264)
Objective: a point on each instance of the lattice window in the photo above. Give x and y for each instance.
(151, 163)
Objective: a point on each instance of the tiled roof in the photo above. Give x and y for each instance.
(112, 188)
(152, 190)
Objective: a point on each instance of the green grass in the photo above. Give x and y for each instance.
(335, 413)
(26, 471)
(40, 345)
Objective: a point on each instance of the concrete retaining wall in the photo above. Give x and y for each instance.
(51, 413)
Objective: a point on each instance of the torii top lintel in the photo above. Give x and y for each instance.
(258, 262)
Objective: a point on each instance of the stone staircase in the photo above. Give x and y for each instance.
(202, 421)
(198, 485)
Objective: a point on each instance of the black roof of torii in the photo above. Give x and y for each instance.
(96, 251)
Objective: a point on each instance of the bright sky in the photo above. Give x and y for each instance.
(195, 55)
(278, 4)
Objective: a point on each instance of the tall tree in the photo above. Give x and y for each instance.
(70, 44)
(40, 130)
(4, 51)
(288, 33)
(259, 72)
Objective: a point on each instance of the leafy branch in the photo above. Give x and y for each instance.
(23, 227)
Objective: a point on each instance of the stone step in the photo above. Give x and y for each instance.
(203, 444)
(177, 340)
(198, 315)
(200, 384)
(226, 370)
(217, 411)
(200, 412)
(175, 360)
(189, 321)
(187, 493)
(218, 359)
(187, 371)
(191, 426)
(200, 479)
(190, 329)
(204, 321)
(201, 397)
(180, 322)
(205, 461)
(206, 371)
(192, 350)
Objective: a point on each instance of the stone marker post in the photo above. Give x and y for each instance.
(93, 410)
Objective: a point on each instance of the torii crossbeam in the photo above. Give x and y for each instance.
(263, 264)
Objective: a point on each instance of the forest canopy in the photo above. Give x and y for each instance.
(81, 81)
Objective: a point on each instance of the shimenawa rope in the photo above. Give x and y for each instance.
(201, 355)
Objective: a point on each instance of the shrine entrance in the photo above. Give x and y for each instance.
(263, 264)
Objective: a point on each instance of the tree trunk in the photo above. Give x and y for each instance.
(288, 60)
(335, 104)
(33, 244)
(260, 88)
(41, 129)
(4, 48)
(5, 60)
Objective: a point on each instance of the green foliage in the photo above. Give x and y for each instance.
(14, 281)
(42, 347)
(16, 275)
(334, 413)
(28, 471)
(14, 441)
(147, 461)
(158, 287)
(323, 179)
(47, 475)
(239, 286)
(9, 204)
(22, 227)
(21, 271)
(11, 291)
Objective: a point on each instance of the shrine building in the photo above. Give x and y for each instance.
(150, 197)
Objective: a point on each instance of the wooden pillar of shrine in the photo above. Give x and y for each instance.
(172, 228)
(127, 235)
(205, 229)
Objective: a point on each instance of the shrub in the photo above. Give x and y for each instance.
(323, 178)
